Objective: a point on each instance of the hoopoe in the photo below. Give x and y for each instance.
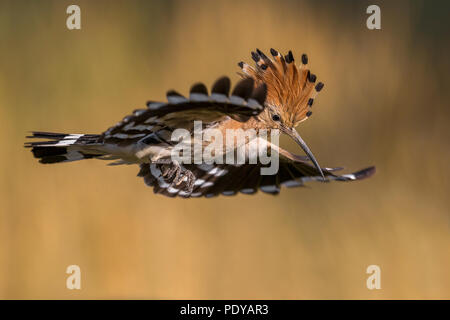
(274, 95)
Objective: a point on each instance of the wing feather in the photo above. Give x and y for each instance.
(222, 179)
(180, 112)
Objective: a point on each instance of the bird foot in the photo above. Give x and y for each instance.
(175, 174)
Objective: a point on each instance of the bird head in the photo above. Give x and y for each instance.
(291, 91)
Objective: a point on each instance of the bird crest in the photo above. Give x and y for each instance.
(291, 89)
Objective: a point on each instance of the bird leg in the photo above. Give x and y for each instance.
(172, 171)
(187, 175)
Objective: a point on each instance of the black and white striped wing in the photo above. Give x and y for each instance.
(217, 179)
(244, 102)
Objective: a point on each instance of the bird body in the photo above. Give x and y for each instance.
(210, 144)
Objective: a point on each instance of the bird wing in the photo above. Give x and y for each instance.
(215, 179)
(245, 101)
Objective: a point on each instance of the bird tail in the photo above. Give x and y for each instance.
(61, 147)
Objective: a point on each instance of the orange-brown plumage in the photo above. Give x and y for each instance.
(291, 89)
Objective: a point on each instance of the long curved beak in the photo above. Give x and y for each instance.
(294, 135)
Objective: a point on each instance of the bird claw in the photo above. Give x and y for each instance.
(172, 171)
(190, 180)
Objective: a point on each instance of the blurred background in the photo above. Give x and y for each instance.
(385, 103)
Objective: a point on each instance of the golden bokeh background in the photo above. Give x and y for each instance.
(385, 103)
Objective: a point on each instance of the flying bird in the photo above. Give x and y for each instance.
(274, 95)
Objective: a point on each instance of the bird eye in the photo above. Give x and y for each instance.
(276, 117)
